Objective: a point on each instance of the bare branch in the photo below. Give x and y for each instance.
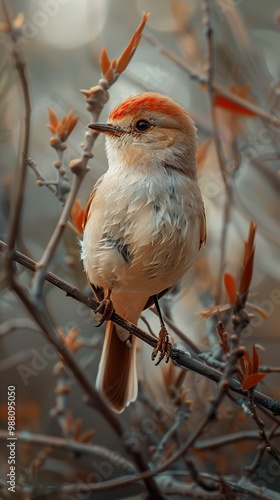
(20, 174)
(218, 87)
(181, 358)
(73, 446)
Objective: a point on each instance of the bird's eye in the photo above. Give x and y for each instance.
(142, 125)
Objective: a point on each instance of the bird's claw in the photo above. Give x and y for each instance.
(163, 347)
(106, 310)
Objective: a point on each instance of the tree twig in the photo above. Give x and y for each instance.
(43, 320)
(182, 336)
(218, 87)
(16, 324)
(79, 168)
(228, 439)
(251, 469)
(180, 357)
(39, 177)
(20, 174)
(271, 450)
(75, 447)
(209, 414)
(210, 71)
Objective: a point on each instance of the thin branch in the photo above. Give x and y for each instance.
(229, 439)
(251, 469)
(180, 418)
(17, 324)
(79, 168)
(218, 293)
(210, 71)
(182, 336)
(209, 415)
(45, 260)
(122, 482)
(14, 360)
(206, 485)
(180, 357)
(21, 169)
(217, 141)
(269, 369)
(218, 87)
(39, 177)
(271, 450)
(76, 294)
(146, 322)
(75, 447)
(169, 485)
(43, 320)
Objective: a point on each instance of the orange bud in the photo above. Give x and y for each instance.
(54, 141)
(231, 287)
(252, 380)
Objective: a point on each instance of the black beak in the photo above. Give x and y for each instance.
(106, 128)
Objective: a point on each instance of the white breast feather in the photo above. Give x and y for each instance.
(154, 219)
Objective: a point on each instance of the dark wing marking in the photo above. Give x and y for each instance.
(203, 229)
(151, 301)
(119, 245)
(98, 292)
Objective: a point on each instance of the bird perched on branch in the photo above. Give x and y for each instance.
(144, 225)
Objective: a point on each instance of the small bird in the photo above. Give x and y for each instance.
(143, 227)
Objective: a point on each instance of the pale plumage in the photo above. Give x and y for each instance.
(145, 222)
(159, 227)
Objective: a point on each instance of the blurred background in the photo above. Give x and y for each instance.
(61, 43)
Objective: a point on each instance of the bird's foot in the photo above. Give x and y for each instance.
(163, 346)
(105, 309)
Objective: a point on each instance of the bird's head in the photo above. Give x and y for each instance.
(150, 130)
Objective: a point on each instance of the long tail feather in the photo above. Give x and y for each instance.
(117, 377)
